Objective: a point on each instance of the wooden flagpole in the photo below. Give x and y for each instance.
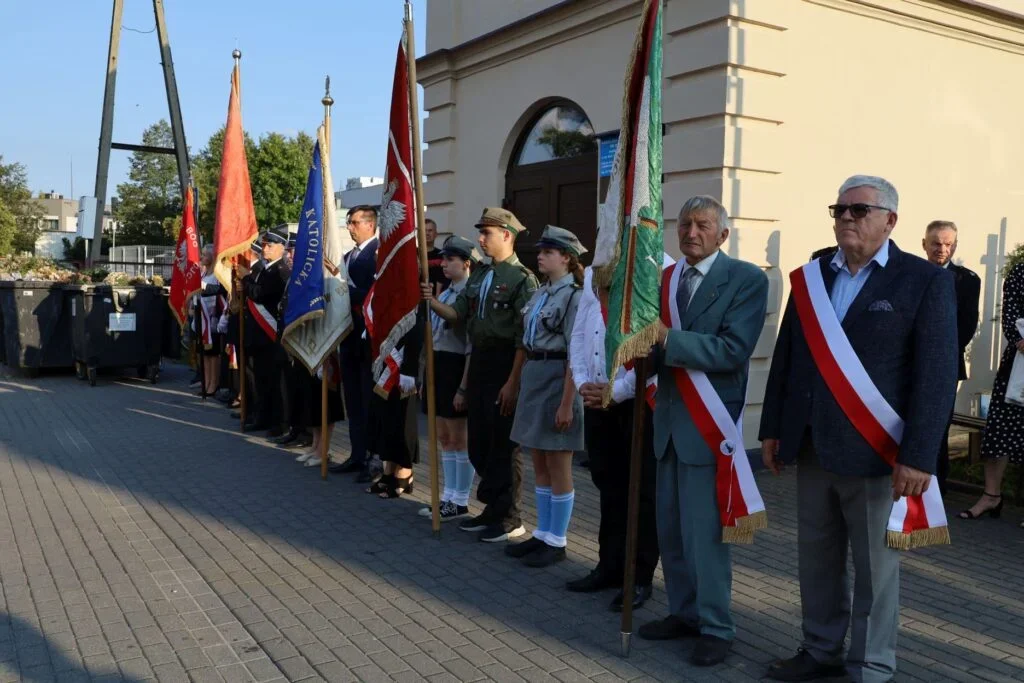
(325, 450)
(633, 507)
(421, 234)
(236, 284)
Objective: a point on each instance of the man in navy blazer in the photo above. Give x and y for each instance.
(895, 310)
(356, 377)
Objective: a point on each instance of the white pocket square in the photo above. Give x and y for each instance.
(881, 305)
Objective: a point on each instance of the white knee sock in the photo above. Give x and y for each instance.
(463, 480)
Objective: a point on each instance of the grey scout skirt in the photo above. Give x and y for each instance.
(540, 393)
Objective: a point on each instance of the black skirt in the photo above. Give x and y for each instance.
(306, 411)
(216, 347)
(448, 369)
(394, 428)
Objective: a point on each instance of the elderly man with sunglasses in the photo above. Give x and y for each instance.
(861, 383)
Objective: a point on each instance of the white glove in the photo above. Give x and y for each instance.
(320, 372)
(407, 384)
(222, 325)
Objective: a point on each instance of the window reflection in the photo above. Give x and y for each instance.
(563, 131)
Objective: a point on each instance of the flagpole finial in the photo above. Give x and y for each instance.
(408, 10)
(327, 101)
(236, 54)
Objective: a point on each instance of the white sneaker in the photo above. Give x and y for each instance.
(313, 462)
(303, 457)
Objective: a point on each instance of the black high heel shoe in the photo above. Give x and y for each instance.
(381, 485)
(398, 486)
(993, 512)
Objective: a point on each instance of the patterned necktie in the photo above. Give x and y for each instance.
(531, 324)
(485, 289)
(685, 291)
(436, 322)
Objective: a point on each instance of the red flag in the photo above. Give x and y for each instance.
(186, 279)
(396, 288)
(235, 226)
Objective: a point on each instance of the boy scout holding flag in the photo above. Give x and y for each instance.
(491, 307)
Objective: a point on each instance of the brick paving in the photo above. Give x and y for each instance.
(143, 538)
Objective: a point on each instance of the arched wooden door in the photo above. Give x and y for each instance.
(552, 178)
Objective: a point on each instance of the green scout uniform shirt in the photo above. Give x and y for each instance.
(502, 321)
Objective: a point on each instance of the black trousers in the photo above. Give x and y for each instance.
(357, 386)
(268, 372)
(491, 451)
(942, 464)
(608, 436)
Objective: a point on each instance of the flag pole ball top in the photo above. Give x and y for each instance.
(237, 54)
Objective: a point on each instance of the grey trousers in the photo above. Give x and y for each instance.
(697, 565)
(835, 513)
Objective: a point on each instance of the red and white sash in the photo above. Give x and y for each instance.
(261, 315)
(229, 349)
(739, 502)
(390, 375)
(914, 521)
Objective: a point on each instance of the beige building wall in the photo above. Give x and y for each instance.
(768, 105)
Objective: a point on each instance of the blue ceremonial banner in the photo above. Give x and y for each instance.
(318, 313)
(306, 286)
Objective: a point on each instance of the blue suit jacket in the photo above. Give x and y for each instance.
(719, 331)
(361, 272)
(909, 349)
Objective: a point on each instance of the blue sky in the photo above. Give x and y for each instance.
(54, 56)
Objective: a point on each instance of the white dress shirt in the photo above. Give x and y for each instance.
(703, 267)
(586, 346)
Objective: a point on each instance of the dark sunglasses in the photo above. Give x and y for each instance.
(856, 210)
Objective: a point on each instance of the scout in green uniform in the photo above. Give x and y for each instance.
(549, 416)
(491, 307)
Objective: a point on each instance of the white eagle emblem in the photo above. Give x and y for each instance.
(181, 258)
(392, 213)
(728, 448)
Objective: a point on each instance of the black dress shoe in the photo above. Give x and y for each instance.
(640, 595)
(595, 581)
(347, 467)
(275, 432)
(366, 476)
(710, 650)
(545, 557)
(521, 550)
(285, 439)
(669, 628)
(803, 667)
(302, 441)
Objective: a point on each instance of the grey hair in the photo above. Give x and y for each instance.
(940, 225)
(703, 202)
(888, 197)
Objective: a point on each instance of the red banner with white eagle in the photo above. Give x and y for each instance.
(186, 278)
(396, 288)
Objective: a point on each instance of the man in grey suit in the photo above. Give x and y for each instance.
(894, 309)
(721, 303)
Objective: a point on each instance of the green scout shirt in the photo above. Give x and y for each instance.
(500, 321)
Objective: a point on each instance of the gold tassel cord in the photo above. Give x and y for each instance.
(919, 538)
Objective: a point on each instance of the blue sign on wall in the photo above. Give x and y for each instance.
(606, 146)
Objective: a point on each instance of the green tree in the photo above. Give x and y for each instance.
(152, 193)
(278, 168)
(279, 173)
(20, 216)
(566, 143)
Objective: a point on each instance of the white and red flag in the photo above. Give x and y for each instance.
(396, 289)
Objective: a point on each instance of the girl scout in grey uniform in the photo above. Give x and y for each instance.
(549, 414)
(451, 363)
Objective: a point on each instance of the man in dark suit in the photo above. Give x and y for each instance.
(939, 245)
(264, 288)
(894, 310)
(356, 378)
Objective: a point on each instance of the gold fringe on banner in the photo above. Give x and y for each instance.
(921, 538)
(637, 346)
(745, 527)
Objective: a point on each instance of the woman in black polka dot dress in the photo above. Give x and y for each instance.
(1004, 432)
